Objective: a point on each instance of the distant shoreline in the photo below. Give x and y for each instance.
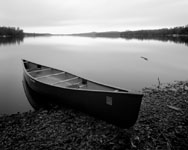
(176, 34)
(176, 31)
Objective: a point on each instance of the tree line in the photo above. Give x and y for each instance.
(11, 32)
(165, 32)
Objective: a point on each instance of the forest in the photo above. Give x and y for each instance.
(176, 34)
(11, 32)
(165, 32)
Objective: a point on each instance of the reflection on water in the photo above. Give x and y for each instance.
(175, 39)
(11, 40)
(35, 99)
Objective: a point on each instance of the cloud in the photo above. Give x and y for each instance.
(98, 13)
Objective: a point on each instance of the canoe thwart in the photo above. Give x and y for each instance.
(46, 76)
(65, 80)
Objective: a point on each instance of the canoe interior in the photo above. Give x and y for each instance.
(60, 78)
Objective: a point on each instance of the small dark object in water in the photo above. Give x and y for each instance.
(144, 58)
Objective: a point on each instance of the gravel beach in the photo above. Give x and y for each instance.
(162, 124)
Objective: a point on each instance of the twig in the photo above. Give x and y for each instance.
(159, 83)
(168, 144)
(113, 138)
(174, 108)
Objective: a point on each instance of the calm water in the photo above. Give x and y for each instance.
(115, 62)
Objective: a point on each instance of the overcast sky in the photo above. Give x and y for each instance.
(68, 16)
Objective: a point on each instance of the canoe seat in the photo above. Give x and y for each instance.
(77, 85)
(82, 85)
(74, 85)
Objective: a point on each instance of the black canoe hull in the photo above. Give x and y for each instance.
(121, 109)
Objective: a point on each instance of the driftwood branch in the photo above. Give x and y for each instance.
(173, 107)
(159, 83)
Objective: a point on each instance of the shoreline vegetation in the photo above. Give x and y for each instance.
(142, 34)
(162, 124)
(12, 35)
(13, 32)
(181, 31)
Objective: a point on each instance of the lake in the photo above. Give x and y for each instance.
(129, 64)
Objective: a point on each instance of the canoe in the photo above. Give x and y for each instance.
(114, 105)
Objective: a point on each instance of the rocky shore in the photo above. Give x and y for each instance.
(162, 124)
